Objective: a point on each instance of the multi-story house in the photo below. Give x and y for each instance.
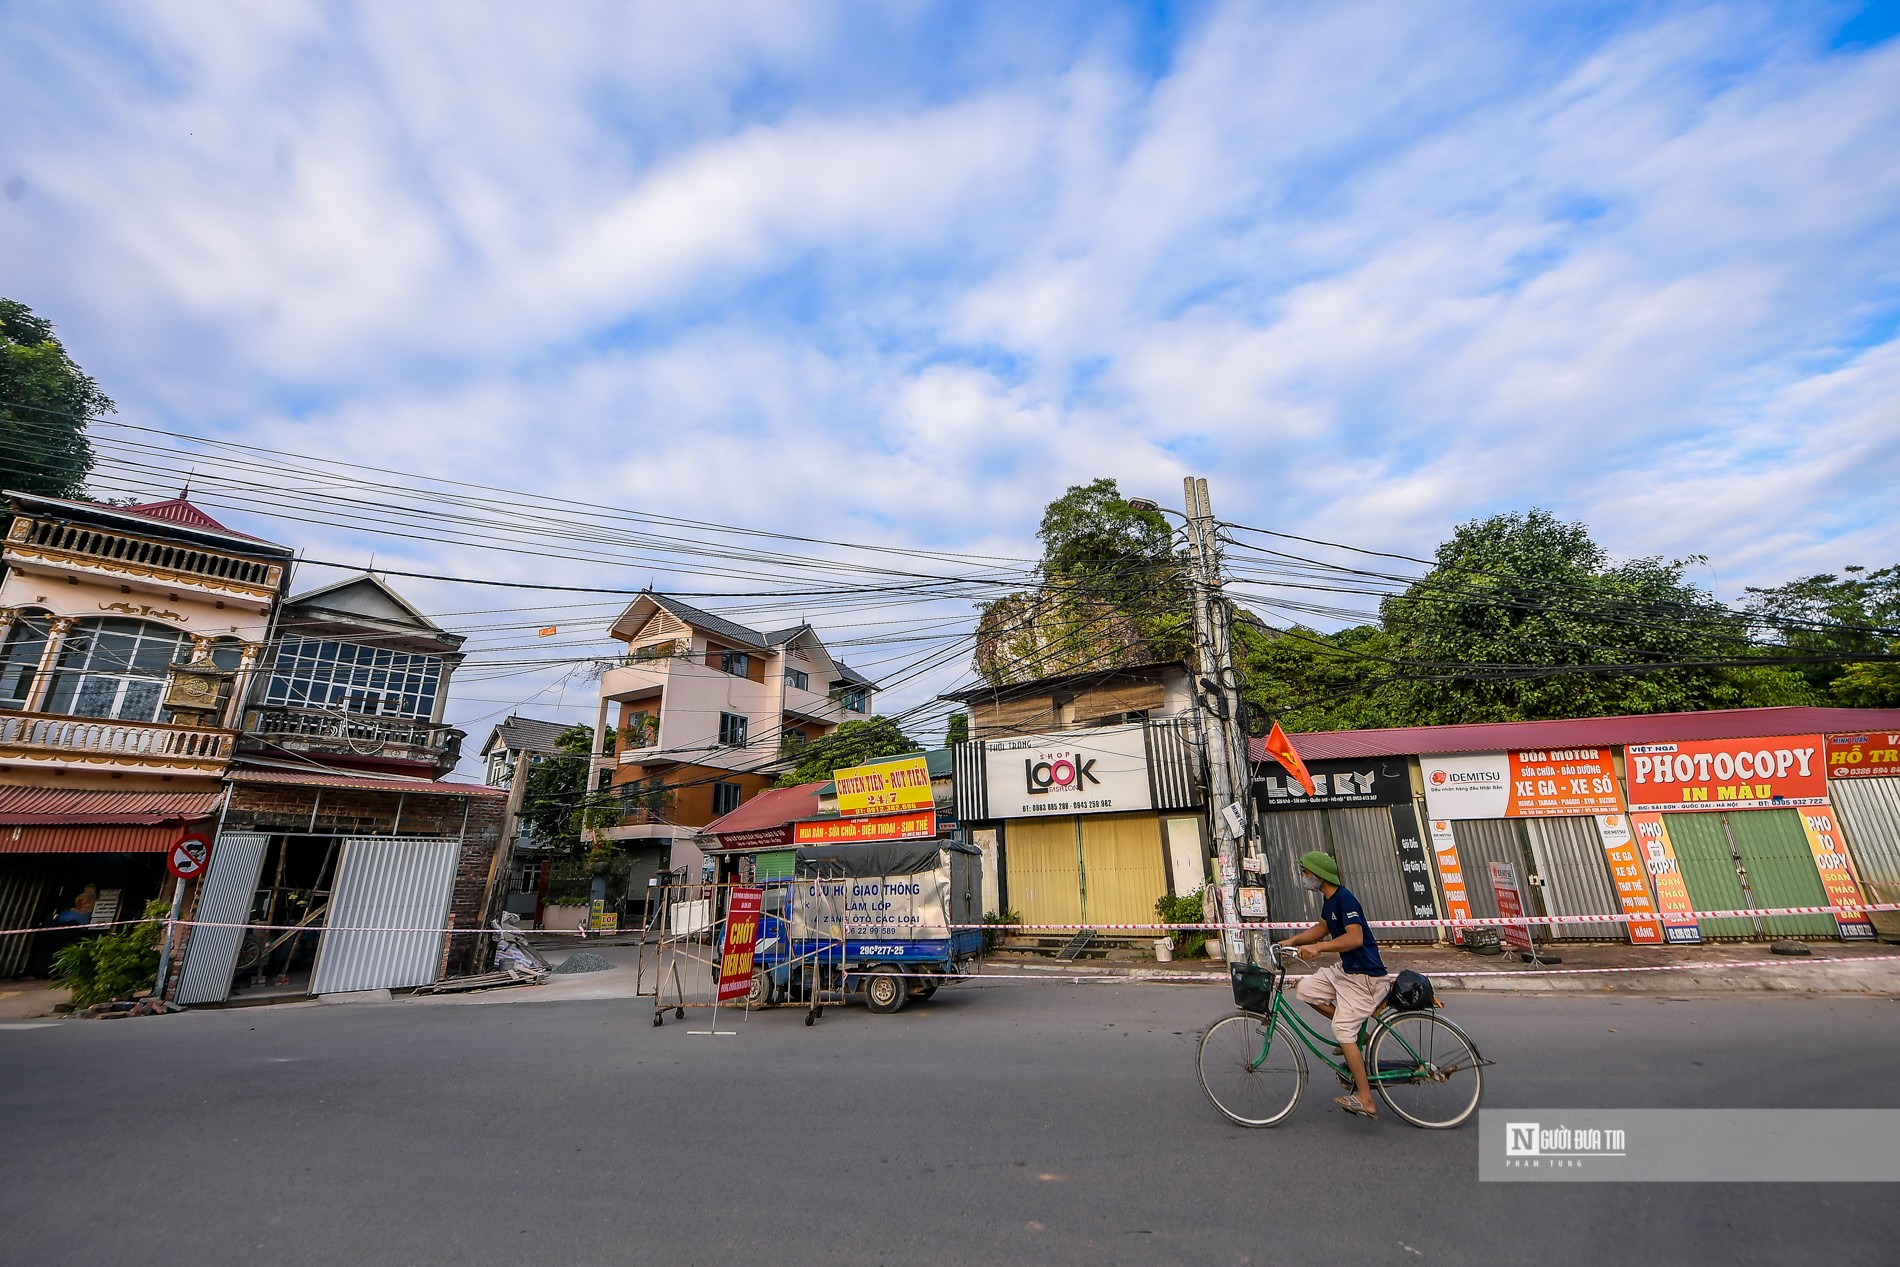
(155, 687)
(704, 713)
(129, 638)
(514, 747)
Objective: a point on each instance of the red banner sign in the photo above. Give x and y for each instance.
(742, 937)
(1510, 905)
(916, 825)
(1786, 770)
(1451, 875)
(1672, 892)
(1631, 879)
(1863, 756)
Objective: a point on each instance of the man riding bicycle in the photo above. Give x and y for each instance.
(1349, 992)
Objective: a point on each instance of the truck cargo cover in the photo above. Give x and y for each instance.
(896, 857)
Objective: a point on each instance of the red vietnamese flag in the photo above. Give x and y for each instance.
(1280, 748)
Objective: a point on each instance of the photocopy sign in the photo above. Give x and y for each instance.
(1704, 774)
(1101, 771)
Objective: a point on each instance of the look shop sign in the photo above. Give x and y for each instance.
(1704, 774)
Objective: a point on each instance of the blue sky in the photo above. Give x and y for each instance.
(902, 272)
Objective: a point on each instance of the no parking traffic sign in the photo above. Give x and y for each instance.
(188, 857)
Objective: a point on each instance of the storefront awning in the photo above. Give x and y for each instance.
(765, 821)
(362, 783)
(83, 820)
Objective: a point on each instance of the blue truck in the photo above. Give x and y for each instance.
(891, 920)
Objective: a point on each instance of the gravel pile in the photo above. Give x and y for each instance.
(584, 961)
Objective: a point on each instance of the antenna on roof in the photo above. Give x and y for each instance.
(184, 494)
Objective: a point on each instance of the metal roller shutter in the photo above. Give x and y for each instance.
(23, 882)
(1870, 815)
(394, 883)
(1123, 868)
(1781, 871)
(1707, 862)
(1045, 875)
(1576, 875)
(1368, 856)
(230, 886)
(1482, 841)
(1284, 837)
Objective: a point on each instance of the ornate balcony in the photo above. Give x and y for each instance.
(96, 741)
(123, 556)
(356, 735)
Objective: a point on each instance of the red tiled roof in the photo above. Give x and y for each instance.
(179, 510)
(58, 806)
(1585, 732)
(774, 807)
(362, 782)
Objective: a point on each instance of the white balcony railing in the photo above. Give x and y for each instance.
(93, 736)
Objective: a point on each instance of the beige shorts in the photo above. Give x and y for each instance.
(1353, 996)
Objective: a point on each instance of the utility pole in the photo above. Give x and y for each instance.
(1217, 700)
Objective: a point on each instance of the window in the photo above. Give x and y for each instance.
(726, 797)
(653, 651)
(850, 697)
(737, 663)
(20, 660)
(346, 677)
(500, 772)
(731, 730)
(116, 669)
(798, 678)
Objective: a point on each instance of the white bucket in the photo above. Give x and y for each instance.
(1164, 950)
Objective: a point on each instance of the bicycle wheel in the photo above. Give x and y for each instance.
(1253, 1081)
(1443, 1077)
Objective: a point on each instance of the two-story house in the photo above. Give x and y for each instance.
(129, 638)
(513, 748)
(704, 712)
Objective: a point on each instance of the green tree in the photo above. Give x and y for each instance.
(558, 805)
(1309, 680)
(1113, 591)
(46, 403)
(1517, 593)
(853, 743)
(1854, 614)
(957, 731)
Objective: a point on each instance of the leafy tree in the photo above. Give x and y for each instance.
(957, 731)
(1855, 614)
(853, 743)
(1310, 680)
(46, 403)
(558, 805)
(1113, 592)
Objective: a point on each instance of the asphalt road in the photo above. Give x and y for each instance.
(1013, 1122)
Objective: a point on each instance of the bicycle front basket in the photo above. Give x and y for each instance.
(1253, 987)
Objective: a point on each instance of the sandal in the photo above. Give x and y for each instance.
(1351, 1104)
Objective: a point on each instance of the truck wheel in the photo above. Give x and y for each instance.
(759, 993)
(884, 991)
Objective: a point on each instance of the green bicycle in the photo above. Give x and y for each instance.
(1252, 1068)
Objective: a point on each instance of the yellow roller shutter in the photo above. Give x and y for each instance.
(1045, 884)
(1125, 867)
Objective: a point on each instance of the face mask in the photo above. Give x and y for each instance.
(1309, 882)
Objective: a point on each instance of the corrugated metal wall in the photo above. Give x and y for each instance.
(1367, 851)
(230, 885)
(1045, 877)
(1576, 875)
(776, 864)
(386, 882)
(1482, 841)
(1870, 815)
(1284, 837)
(1781, 870)
(1707, 862)
(23, 883)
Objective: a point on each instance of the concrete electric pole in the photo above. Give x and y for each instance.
(1217, 697)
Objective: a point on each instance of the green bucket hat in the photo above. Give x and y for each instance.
(1321, 865)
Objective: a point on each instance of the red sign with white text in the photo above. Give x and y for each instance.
(1701, 774)
(1870, 756)
(916, 825)
(1837, 872)
(742, 938)
(1510, 905)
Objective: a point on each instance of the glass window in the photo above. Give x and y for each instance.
(116, 669)
(798, 678)
(851, 697)
(736, 663)
(726, 797)
(732, 728)
(359, 679)
(20, 660)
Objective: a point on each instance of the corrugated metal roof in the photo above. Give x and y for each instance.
(773, 807)
(363, 782)
(1585, 732)
(90, 838)
(58, 806)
